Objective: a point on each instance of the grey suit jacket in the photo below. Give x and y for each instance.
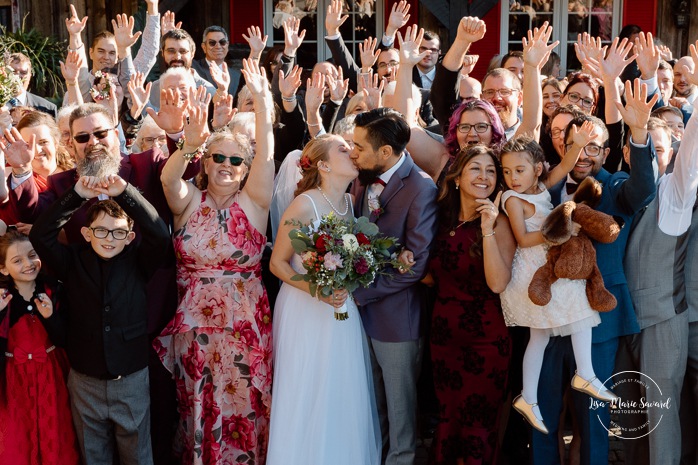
(41, 104)
(391, 307)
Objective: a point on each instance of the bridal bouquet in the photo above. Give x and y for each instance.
(340, 254)
(10, 83)
(102, 85)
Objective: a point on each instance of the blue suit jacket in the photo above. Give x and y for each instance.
(623, 195)
(391, 307)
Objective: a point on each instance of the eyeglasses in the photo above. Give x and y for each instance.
(151, 140)
(220, 158)
(557, 133)
(504, 93)
(591, 150)
(102, 233)
(84, 138)
(479, 127)
(574, 97)
(212, 43)
(431, 50)
(391, 63)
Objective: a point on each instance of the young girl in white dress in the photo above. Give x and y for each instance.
(527, 203)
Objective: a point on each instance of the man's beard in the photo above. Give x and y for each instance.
(369, 176)
(99, 162)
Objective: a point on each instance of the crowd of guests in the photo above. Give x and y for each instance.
(145, 233)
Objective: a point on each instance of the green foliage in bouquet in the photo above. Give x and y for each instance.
(44, 53)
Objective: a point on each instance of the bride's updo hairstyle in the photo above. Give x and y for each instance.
(315, 151)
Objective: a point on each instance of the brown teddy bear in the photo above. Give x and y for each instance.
(574, 257)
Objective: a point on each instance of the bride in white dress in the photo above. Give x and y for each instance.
(323, 410)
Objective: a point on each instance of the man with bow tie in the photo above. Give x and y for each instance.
(401, 199)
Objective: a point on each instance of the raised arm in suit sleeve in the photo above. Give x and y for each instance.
(640, 188)
(344, 59)
(26, 200)
(420, 230)
(443, 100)
(44, 233)
(155, 237)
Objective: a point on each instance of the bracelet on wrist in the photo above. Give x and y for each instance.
(76, 49)
(290, 99)
(195, 155)
(488, 235)
(310, 125)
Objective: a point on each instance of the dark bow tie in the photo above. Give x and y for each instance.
(571, 187)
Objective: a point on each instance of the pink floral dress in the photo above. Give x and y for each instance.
(218, 345)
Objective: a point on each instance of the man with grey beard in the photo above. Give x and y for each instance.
(95, 139)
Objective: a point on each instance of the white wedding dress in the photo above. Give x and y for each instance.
(323, 408)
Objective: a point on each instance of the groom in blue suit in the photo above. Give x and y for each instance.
(623, 195)
(401, 199)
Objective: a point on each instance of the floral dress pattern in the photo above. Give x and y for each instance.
(470, 350)
(218, 345)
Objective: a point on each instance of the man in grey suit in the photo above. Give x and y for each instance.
(215, 47)
(22, 67)
(654, 267)
(401, 199)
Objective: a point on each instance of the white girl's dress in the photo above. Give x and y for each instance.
(568, 311)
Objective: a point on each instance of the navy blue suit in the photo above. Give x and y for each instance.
(623, 195)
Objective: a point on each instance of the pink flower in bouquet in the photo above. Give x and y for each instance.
(309, 258)
(333, 261)
(361, 266)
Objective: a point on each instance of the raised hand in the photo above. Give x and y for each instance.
(43, 305)
(615, 61)
(74, 25)
(71, 67)
(368, 53)
(469, 63)
(338, 86)
(588, 47)
(196, 129)
(315, 92)
(256, 41)
(637, 109)
(648, 55)
(220, 76)
(292, 38)
(409, 47)
(334, 18)
(140, 93)
(223, 112)
(471, 29)
(373, 90)
(399, 17)
(536, 49)
(665, 53)
(123, 31)
(289, 83)
(167, 23)
(255, 77)
(582, 136)
(112, 185)
(172, 113)
(18, 152)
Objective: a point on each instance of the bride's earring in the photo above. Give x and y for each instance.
(457, 186)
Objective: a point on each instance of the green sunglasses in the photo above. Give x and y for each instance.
(234, 160)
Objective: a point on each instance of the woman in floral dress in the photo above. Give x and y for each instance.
(218, 346)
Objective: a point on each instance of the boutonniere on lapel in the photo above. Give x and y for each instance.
(374, 207)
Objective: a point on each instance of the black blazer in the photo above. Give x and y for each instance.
(105, 325)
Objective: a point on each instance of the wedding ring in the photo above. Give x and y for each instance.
(43, 305)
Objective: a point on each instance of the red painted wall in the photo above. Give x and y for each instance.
(643, 13)
(244, 14)
(489, 46)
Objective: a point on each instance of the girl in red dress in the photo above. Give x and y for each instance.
(35, 422)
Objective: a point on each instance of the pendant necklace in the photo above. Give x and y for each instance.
(346, 203)
(453, 231)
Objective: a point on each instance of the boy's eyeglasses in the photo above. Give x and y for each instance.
(102, 233)
(101, 134)
(220, 158)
